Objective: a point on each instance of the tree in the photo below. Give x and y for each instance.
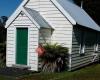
(3, 20)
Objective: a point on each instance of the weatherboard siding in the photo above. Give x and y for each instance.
(78, 60)
(62, 33)
(10, 57)
(33, 44)
(44, 35)
(22, 21)
(33, 4)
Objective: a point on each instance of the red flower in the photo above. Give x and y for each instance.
(40, 50)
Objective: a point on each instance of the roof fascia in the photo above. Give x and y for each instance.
(16, 13)
(65, 13)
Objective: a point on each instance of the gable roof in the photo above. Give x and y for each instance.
(37, 17)
(75, 14)
(34, 16)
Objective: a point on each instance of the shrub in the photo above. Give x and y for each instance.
(2, 47)
(54, 58)
(2, 54)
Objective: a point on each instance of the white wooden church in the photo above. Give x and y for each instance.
(58, 21)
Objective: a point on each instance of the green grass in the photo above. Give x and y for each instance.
(88, 73)
(3, 78)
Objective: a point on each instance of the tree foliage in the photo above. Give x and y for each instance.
(3, 20)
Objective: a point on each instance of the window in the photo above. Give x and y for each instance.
(96, 44)
(96, 47)
(82, 48)
(82, 43)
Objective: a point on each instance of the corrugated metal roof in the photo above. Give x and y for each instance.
(77, 13)
(37, 17)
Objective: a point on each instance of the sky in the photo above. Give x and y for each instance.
(7, 7)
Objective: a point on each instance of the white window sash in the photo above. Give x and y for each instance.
(82, 48)
(96, 47)
(82, 44)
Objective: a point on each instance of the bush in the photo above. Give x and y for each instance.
(54, 58)
(2, 54)
(2, 47)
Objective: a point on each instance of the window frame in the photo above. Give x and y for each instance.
(96, 45)
(82, 43)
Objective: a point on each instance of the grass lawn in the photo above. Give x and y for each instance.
(4, 78)
(88, 73)
(91, 72)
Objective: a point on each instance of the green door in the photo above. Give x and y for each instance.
(21, 46)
